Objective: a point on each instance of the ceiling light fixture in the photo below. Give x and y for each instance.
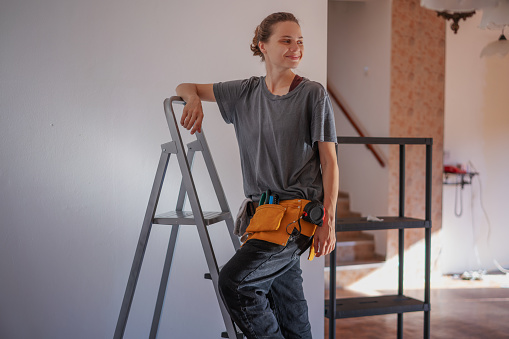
(455, 17)
(456, 10)
(495, 17)
(500, 47)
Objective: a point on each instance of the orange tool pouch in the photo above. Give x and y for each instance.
(275, 222)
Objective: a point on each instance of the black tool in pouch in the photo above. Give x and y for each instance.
(250, 209)
(314, 212)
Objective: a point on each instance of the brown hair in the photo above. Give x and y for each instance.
(264, 30)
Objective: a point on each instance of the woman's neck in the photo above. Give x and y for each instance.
(278, 83)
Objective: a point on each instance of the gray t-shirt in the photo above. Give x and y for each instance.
(277, 135)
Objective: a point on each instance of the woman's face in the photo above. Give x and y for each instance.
(285, 46)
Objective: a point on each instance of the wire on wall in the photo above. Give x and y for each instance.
(481, 203)
(460, 193)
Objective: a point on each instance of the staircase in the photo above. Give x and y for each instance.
(355, 257)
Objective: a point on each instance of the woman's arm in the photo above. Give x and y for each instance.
(193, 94)
(325, 236)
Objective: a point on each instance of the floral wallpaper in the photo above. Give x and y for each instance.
(417, 110)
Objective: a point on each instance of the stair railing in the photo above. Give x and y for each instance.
(377, 153)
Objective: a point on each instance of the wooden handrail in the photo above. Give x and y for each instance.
(348, 115)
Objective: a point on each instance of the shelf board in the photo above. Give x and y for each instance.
(362, 224)
(369, 306)
(187, 218)
(385, 141)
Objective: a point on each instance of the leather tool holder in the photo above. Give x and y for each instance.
(267, 218)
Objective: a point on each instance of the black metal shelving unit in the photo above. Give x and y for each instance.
(389, 304)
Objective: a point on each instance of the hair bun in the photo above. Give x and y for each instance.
(254, 46)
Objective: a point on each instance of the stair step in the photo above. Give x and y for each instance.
(350, 272)
(347, 234)
(343, 195)
(355, 249)
(357, 253)
(352, 246)
(348, 214)
(376, 260)
(343, 205)
(352, 236)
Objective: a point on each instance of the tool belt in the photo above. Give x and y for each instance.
(275, 223)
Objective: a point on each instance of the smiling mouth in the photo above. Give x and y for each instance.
(294, 57)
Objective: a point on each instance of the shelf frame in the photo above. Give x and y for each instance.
(398, 304)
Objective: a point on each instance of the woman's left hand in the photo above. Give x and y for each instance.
(325, 239)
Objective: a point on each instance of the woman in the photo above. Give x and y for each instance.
(285, 129)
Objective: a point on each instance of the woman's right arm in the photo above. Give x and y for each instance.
(193, 94)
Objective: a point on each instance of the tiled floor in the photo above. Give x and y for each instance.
(459, 309)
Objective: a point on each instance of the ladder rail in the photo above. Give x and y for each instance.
(169, 255)
(200, 144)
(164, 281)
(211, 167)
(196, 208)
(142, 245)
(185, 169)
(182, 191)
(218, 187)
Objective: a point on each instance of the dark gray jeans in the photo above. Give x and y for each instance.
(261, 287)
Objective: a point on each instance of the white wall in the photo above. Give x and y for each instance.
(81, 93)
(359, 70)
(476, 131)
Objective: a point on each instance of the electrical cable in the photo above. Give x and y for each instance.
(476, 274)
(500, 268)
(488, 236)
(474, 236)
(467, 275)
(481, 203)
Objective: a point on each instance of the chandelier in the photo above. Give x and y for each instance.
(495, 15)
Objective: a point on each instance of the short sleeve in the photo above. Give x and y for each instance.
(323, 127)
(227, 94)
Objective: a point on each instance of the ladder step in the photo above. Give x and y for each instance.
(208, 276)
(240, 335)
(187, 218)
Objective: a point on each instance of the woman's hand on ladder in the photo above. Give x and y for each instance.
(193, 94)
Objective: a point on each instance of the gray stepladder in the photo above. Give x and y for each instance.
(177, 218)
